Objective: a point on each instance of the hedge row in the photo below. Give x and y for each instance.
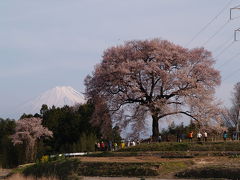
(73, 168)
(184, 146)
(211, 172)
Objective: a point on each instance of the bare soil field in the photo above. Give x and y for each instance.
(4, 172)
(129, 159)
(198, 161)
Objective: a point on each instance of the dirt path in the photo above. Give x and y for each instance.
(226, 161)
(199, 161)
(4, 173)
(20, 177)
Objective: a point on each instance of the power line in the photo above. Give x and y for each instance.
(226, 48)
(229, 60)
(209, 23)
(222, 45)
(219, 30)
(230, 75)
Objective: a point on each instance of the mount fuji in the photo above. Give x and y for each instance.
(58, 97)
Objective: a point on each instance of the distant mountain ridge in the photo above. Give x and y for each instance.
(58, 97)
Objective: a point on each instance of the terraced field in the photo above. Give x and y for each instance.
(161, 161)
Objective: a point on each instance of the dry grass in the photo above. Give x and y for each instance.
(135, 159)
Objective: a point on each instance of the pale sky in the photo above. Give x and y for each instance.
(51, 43)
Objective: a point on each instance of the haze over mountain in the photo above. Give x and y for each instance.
(58, 97)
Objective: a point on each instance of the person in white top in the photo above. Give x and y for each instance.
(199, 136)
(205, 136)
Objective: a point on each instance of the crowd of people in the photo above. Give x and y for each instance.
(113, 146)
(197, 136)
(204, 136)
(190, 136)
(105, 145)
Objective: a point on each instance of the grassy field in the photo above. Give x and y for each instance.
(75, 168)
(185, 146)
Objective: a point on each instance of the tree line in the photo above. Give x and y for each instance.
(71, 130)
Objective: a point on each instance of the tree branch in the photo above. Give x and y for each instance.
(178, 112)
(173, 102)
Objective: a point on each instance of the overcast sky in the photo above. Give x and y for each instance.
(51, 43)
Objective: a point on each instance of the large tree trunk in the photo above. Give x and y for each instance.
(155, 128)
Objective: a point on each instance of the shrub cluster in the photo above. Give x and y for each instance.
(63, 169)
(211, 172)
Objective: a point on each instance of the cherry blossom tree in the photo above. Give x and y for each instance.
(157, 78)
(232, 116)
(27, 132)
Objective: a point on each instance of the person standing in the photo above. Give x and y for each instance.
(115, 146)
(159, 138)
(199, 136)
(102, 145)
(205, 136)
(129, 143)
(190, 136)
(122, 144)
(98, 146)
(178, 137)
(110, 145)
(225, 135)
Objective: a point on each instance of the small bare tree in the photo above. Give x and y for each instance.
(101, 117)
(233, 114)
(28, 131)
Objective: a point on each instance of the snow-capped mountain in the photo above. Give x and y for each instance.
(58, 96)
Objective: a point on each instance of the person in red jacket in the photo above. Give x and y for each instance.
(190, 136)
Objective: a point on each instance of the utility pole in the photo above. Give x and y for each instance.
(235, 39)
(237, 125)
(232, 9)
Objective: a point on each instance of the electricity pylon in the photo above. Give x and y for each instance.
(235, 34)
(231, 18)
(232, 9)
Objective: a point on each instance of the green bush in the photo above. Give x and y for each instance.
(61, 169)
(10, 154)
(85, 144)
